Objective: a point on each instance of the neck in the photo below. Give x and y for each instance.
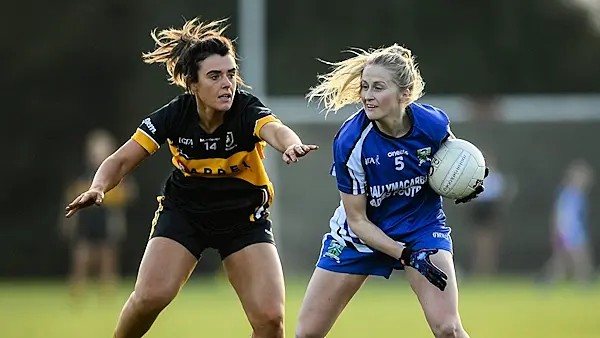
(210, 119)
(395, 125)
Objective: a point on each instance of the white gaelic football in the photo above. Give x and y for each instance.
(456, 169)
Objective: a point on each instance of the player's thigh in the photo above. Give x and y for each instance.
(254, 270)
(256, 275)
(341, 271)
(165, 267)
(440, 307)
(326, 296)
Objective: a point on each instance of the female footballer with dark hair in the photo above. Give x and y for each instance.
(219, 193)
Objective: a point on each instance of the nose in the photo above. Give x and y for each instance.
(227, 83)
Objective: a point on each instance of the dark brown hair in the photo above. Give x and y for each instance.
(182, 50)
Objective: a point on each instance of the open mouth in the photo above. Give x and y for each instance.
(370, 106)
(225, 97)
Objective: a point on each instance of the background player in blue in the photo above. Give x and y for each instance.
(388, 218)
(218, 193)
(571, 252)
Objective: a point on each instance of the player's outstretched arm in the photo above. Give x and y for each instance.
(286, 141)
(373, 236)
(109, 174)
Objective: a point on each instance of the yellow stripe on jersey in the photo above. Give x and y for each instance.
(145, 141)
(261, 122)
(244, 165)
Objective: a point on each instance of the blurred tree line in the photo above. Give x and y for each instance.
(71, 66)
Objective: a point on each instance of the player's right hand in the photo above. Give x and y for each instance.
(420, 261)
(84, 200)
(295, 151)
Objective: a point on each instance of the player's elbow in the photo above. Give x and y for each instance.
(358, 224)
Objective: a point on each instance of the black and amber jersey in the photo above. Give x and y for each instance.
(218, 175)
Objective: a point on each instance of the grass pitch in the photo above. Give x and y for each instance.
(383, 308)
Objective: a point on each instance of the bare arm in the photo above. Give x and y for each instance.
(373, 236)
(118, 165)
(355, 206)
(279, 136)
(109, 174)
(285, 140)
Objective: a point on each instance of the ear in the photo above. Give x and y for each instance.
(404, 95)
(192, 86)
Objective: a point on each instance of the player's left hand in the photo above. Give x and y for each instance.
(295, 151)
(478, 190)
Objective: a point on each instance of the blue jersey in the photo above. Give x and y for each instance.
(571, 210)
(391, 172)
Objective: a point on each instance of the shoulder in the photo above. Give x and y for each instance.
(351, 133)
(182, 99)
(431, 120)
(172, 110)
(180, 103)
(249, 109)
(245, 100)
(425, 114)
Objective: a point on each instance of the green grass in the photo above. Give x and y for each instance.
(381, 309)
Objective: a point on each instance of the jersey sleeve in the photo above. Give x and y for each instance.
(154, 130)
(347, 167)
(257, 115)
(433, 121)
(441, 126)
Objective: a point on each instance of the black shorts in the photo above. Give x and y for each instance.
(92, 233)
(92, 227)
(194, 234)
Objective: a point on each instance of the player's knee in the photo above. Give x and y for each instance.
(268, 321)
(448, 330)
(153, 299)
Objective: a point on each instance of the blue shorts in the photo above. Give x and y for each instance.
(339, 257)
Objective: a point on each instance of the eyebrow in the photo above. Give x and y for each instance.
(214, 71)
(377, 82)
